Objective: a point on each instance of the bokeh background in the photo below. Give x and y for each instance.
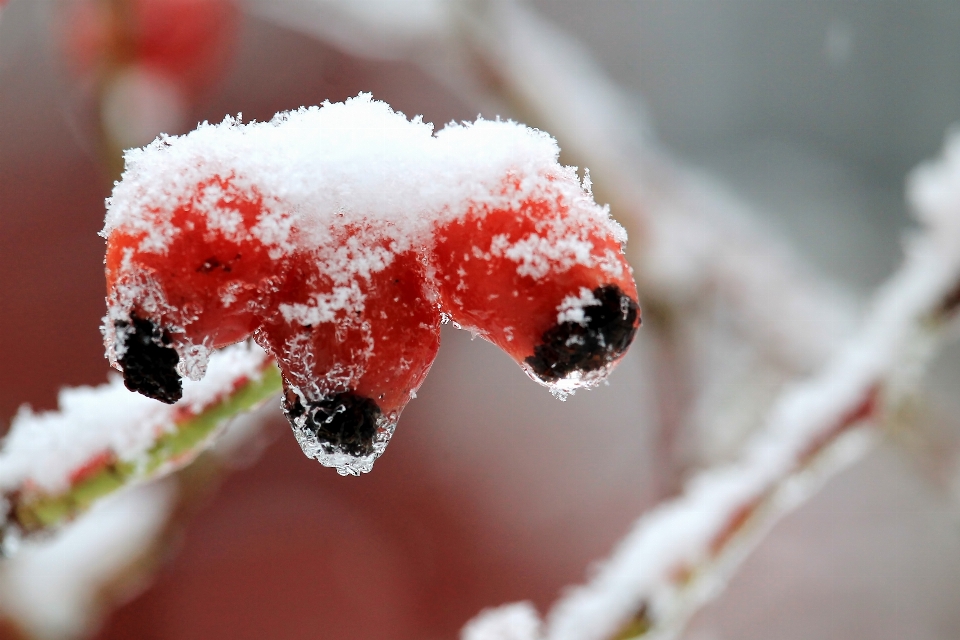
(492, 491)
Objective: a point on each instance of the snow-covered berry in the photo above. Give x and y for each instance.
(338, 238)
(545, 280)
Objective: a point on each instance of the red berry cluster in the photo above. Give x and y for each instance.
(354, 317)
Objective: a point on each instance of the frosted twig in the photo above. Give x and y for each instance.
(686, 248)
(55, 465)
(690, 240)
(678, 555)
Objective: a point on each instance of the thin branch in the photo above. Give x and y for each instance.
(54, 466)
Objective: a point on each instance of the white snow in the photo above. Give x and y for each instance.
(518, 621)
(324, 307)
(571, 309)
(352, 163)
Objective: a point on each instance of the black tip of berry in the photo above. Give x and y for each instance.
(149, 362)
(604, 334)
(345, 422)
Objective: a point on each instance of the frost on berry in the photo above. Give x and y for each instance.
(340, 238)
(545, 281)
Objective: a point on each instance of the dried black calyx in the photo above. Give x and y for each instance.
(345, 422)
(149, 362)
(602, 336)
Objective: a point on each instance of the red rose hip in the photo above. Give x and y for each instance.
(352, 353)
(548, 285)
(338, 238)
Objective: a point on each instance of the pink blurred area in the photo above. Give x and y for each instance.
(492, 491)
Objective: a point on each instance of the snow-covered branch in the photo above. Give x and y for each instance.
(688, 235)
(55, 465)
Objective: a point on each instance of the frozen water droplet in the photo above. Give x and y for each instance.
(346, 431)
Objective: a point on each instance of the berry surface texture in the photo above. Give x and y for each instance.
(340, 238)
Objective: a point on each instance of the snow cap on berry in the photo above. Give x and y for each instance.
(357, 162)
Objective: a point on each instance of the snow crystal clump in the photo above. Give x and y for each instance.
(571, 309)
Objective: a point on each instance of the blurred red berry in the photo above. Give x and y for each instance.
(188, 41)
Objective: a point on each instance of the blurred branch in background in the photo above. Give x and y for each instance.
(769, 380)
